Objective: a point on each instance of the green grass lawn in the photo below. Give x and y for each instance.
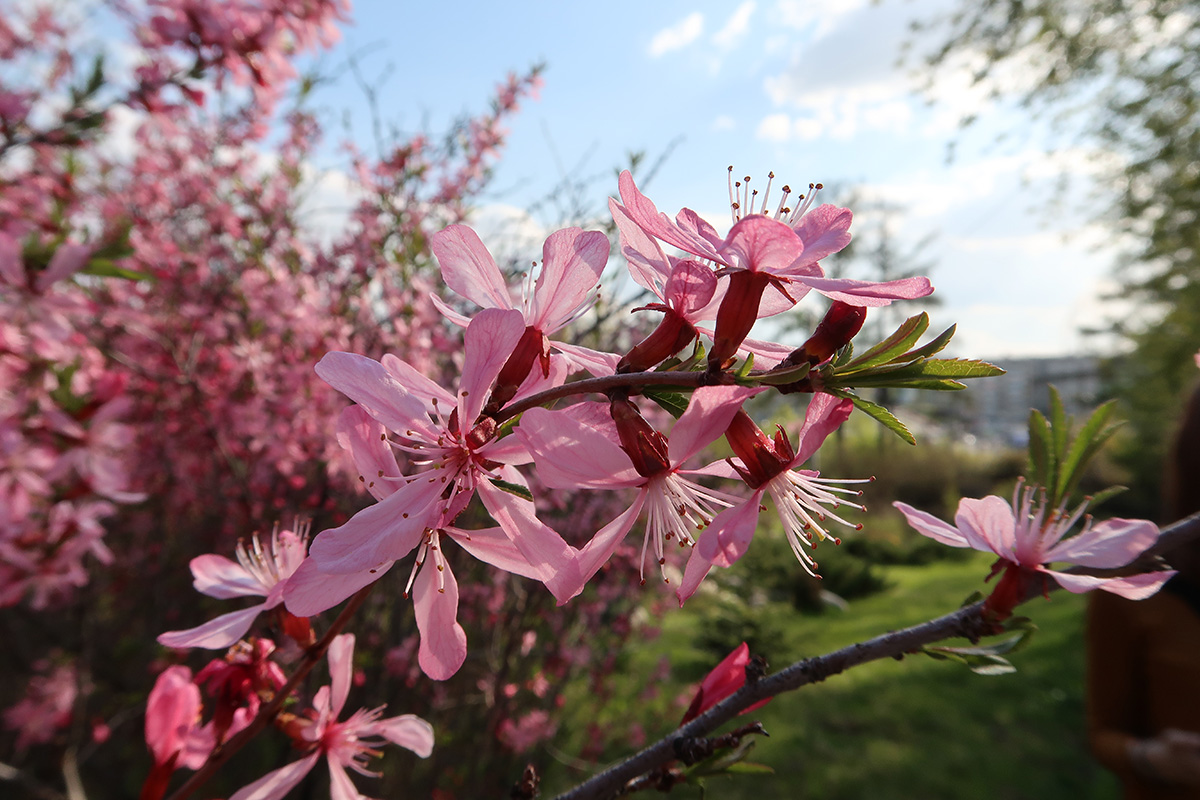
(916, 728)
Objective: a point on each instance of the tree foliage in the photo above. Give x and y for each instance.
(1124, 75)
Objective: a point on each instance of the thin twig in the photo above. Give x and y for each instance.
(267, 713)
(605, 383)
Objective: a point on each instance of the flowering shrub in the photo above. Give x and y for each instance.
(165, 311)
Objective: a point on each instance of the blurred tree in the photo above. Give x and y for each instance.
(1124, 77)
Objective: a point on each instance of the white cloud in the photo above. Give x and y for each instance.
(736, 26)
(724, 123)
(677, 36)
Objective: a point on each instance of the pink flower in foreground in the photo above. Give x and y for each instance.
(443, 643)
(725, 679)
(260, 570)
(773, 467)
(346, 744)
(676, 506)
(572, 260)
(1027, 537)
(173, 731)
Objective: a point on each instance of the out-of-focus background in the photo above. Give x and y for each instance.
(1038, 160)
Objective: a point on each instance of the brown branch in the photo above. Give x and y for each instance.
(689, 380)
(968, 622)
(267, 713)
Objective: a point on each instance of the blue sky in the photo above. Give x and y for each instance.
(789, 86)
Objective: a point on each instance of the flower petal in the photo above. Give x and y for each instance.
(366, 382)
(988, 524)
(572, 260)
(824, 415)
(468, 268)
(729, 536)
(310, 591)
(407, 731)
(869, 293)
(556, 438)
(222, 578)
(601, 547)
(762, 244)
(489, 341)
(341, 670)
(542, 551)
(709, 412)
(217, 633)
(364, 438)
(443, 647)
(824, 230)
(340, 785)
(274, 785)
(1112, 543)
(1133, 587)
(383, 532)
(643, 212)
(928, 525)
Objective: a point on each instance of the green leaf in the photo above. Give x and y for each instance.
(1040, 457)
(1088, 441)
(781, 377)
(843, 355)
(670, 400)
(750, 768)
(105, 268)
(933, 347)
(512, 488)
(1106, 494)
(744, 369)
(973, 598)
(881, 415)
(901, 339)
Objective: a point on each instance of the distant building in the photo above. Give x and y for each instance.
(998, 408)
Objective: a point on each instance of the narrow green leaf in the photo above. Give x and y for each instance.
(901, 339)
(881, 415)
(105, 268)
(933, 347)
(842, 356)
(1039, 448)
(512, 488)
(750, 768)
(1059, 427)
(1087, 442)
(779, 377)
(1106, 494)
(670, 400)
(744, 369)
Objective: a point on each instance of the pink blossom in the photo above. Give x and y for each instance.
(432, 585)
(173, 731)
(260, 570)
(1028, 537)
(346, 744)
(676, 506)
(522, 734)
(572, 261)
(46, 707)
(773, 467)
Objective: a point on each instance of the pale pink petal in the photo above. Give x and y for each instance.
(340, 785)
(767, 355)
(416, 383)
(223, 578)
(988, 524)
(448, 312)
(385, 531)
(408, 731)
(468, 268)
(643, 212)
(647, 264)
(341, 670)
(364, 438)
(762, 244)
(869, 293)
(694, 574)
(729, 535)
(928, 525)
(601, 547)
(366, 382)
(1133, 587)
(597, 362)
(691, 290)
(310, 591)
(443, 646)
(275, 785)
(290, 552)
(698, 227)
(709, 412)
(824, 415)
(1113, 543)
(556, 438)
(492, 546)
(540, 546)
(489, 341)
(824, 230)
(216, 634)
(572, 261)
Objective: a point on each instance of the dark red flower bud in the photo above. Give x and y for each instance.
(736, 315)
(646, 447)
